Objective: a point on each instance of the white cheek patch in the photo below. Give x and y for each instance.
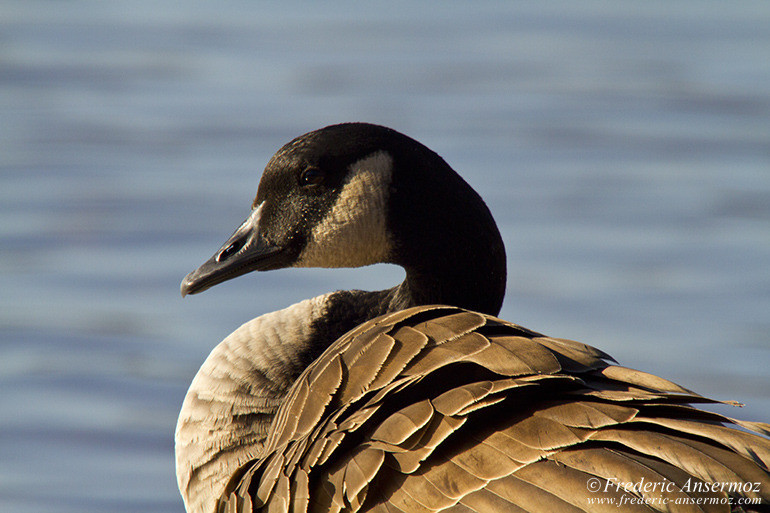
(354, 232)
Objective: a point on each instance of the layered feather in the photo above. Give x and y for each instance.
(442, 409)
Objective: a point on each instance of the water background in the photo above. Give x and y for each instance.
(624, 148)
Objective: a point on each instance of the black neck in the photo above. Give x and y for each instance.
(446, 238)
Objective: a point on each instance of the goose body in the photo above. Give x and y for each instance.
(417, 398)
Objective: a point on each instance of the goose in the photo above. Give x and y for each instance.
(418, 398)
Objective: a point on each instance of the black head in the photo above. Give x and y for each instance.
(357, 194)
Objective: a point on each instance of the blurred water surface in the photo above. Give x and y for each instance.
(624, 148)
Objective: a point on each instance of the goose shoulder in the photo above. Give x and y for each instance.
(230, 404)
(443, 409)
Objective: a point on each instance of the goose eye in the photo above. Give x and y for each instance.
(311, 176)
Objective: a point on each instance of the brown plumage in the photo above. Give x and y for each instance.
(441, 409)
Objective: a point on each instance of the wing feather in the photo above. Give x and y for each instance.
(439, 409)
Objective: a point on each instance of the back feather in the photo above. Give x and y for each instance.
(441, 409)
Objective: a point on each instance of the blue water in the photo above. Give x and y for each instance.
(624, 148)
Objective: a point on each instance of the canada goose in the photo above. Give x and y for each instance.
(378, 401)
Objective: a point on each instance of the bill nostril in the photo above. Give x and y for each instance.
(231, 249)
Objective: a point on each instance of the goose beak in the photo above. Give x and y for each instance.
(246, 250)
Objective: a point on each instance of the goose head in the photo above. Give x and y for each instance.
(356, 194)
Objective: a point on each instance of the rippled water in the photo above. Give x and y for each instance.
(624, 148)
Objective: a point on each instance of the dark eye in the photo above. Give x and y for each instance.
(311, 176)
